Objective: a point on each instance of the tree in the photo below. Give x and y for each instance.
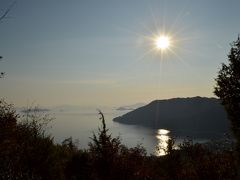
(228, 89)
(2, 17)
(6, 12)
(1, 73)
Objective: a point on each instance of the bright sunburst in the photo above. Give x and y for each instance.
(162, 42)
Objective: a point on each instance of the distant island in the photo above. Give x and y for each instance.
(130, 107)
(35, 110)
(194, 116)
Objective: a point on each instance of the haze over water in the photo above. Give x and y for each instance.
(81, 125)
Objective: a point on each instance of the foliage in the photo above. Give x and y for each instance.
(28, 152)
(111, 159)
(25, 150)
(228, 90)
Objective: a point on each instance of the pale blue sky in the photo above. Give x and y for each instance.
(94, 52)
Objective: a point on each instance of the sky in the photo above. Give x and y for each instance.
(100, 53)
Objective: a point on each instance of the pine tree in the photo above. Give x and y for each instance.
(228, 89)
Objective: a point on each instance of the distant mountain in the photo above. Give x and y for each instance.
(34, 110)
(196, 116)
(130, 107)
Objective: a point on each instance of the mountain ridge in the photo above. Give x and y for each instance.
(187, 116)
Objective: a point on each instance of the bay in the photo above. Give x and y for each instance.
(80, 125)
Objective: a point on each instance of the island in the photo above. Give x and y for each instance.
(192, 116)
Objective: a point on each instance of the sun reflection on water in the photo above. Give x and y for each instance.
(162, 136)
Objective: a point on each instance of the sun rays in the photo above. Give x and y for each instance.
(162, 42)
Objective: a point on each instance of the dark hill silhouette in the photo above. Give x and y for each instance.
(195, 116)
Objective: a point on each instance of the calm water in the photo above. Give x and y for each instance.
(80, 127)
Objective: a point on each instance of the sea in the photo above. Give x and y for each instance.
(80, 126)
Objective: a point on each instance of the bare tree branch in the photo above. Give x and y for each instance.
(1, 73)
(6, 12)
(3, 16)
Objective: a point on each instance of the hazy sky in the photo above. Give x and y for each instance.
(96, 52)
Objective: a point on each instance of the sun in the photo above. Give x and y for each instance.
(162, 42)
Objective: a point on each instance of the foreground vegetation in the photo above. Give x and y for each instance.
(28, 152)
